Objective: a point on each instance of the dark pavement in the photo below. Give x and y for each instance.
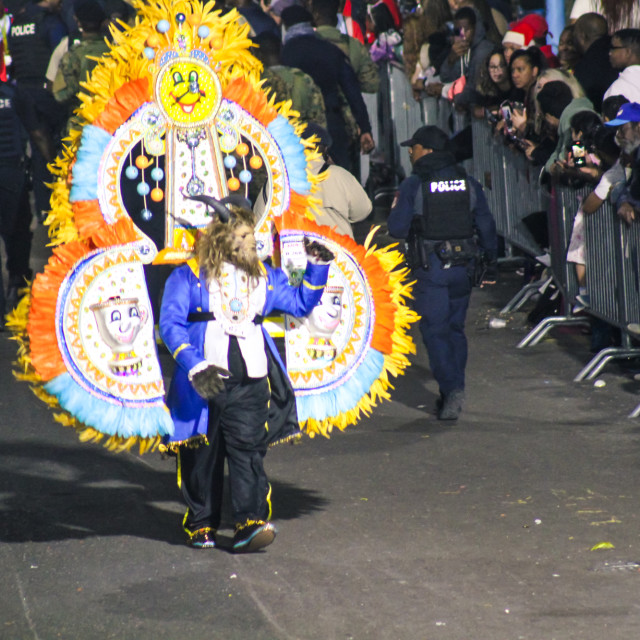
(400, 528)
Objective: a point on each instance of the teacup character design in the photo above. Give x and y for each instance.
(321, 323)
(119, 322)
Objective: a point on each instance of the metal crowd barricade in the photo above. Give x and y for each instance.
(385, 142)
(512, 193)
(563, 205)
(406, 113)
(371, 102)
(443, 114)
(512, 188)
(523, 197)
(613, 282)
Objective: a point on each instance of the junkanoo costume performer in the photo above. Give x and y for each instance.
(211, 321)
(172, 118)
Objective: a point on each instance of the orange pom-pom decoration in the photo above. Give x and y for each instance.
(157, 194)
(216, 43)
(153, 41)
(142, 162)
(255, 162)
(233, 184)
(242, 149)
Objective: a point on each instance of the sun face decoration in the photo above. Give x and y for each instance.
(188, 91)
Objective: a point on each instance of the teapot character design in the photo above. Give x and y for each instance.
(119, 323)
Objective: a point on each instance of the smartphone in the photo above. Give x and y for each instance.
(578, 153)
(505, 109)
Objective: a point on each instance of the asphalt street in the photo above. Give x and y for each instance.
(400, 528)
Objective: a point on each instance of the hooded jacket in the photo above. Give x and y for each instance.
(469, 65)
(564, 128)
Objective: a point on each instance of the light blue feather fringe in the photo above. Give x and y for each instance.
(108, 418)
(84, 184)
(343, 397)
(293, 152)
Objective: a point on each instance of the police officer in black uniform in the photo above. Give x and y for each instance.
(443, 214)
(35, 32)
(15, 209)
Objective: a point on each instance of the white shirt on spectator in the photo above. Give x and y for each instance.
(627, 84)
(580, 7)
(609, 179)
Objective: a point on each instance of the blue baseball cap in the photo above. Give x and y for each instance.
(629, 112)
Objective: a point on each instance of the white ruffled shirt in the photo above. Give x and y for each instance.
(235, 300)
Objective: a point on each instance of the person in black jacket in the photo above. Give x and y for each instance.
(594, 70)
(331, 71)
(440, 209)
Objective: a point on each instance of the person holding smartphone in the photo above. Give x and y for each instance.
(469, 50)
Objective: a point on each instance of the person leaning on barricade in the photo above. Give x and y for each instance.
(516, 115)
(558, 106)
(628, 139)
(444, 215)
(525, 67)
(592, 158)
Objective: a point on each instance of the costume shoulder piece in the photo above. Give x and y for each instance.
(176, 109)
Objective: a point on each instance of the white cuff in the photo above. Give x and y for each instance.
(201, 366)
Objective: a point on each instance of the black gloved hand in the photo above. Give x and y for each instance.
(209, 382)
(317, 251)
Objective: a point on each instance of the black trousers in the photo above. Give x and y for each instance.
(237, 432)
(39, 111)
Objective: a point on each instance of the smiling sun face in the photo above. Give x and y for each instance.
(189, 92)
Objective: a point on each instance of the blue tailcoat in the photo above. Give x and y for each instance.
(186, 293)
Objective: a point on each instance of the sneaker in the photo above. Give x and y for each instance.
(204, 538)
(253, 535)
(584, 298)
(544, 259)
(452, 405)
(583, 301)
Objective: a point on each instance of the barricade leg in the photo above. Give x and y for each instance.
(523, 295)
(544, 326)
(635, 413)
(602, 358)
